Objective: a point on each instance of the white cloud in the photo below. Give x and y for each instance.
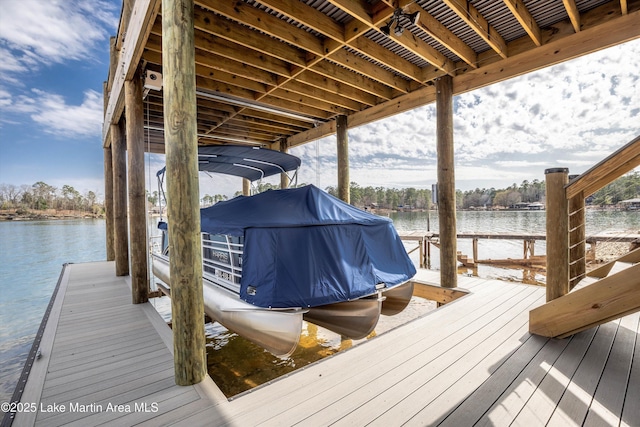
(571, 115)
(57, 118)
(35, 32)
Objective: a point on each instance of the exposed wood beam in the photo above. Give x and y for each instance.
(561, 45)
(232, 31)
(520, 11)
(321, 95)
(384, 56)
(140, 23)
(574, 14)
(375, 80)
(407, 40)
(623, 7)
(308, 16)
(469, 14)
(443, 35)
(268, 24)
(327, 84)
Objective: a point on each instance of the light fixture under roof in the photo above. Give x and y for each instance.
(395, 20)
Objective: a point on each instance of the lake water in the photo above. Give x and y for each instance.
(31, 258)
(32, 254)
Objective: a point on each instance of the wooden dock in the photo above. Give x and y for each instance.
(469, 362)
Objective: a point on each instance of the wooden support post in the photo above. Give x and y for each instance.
(246, 187)
(119, 162)
(108, 203)
(577, 233)
(108, 188)
(446, 183)
(421, 244)
(344, 192)
(474, 242)
(557, 233)
(181, 147)
(137, 198)
(284, 178)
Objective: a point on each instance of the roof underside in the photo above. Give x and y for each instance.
(280, 71)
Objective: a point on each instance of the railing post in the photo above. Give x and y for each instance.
(557, 233)
(577, 232)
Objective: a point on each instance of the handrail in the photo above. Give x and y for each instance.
(617, 164)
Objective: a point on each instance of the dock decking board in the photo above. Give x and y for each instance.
(472, 361)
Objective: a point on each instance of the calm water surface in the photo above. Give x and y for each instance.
(32, 254)
(31, 258)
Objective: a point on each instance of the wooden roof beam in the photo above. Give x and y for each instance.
(335, 34)
(469, 14)
(561, 44)
(520, 11)
(290, 34)
(407, 40)
(443, 35)
(204, 70)
(574, 13)
(327, 84)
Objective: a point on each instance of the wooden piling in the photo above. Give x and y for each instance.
(446, 183)
(181, 145)
(246, 187)
(557, 233)
(137, 204)
(108, 189)
(344, 191)
(108, 203)
(119, 165)
(284, 178)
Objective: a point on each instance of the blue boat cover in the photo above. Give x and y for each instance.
(305, 248)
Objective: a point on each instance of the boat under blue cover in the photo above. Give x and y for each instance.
(306, 248)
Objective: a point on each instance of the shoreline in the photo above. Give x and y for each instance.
(48, 214)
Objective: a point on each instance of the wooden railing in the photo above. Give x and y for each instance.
(566, 249)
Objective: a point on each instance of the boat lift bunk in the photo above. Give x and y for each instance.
(273, 259)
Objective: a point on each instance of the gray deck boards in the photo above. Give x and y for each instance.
(471, 362)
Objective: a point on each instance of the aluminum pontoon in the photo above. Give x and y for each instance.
(273, 259)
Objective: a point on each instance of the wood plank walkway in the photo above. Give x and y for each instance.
(471, 362)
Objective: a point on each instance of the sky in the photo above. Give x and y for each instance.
(55, 57)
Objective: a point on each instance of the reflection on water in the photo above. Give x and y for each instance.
(237, 365)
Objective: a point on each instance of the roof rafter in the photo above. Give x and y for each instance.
(574, 14)
(407, 39)
(520, 11)
(443, 35)
(469, 14)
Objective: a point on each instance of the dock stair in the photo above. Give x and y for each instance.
(606, 293)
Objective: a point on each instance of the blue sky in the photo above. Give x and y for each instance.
(56, 56)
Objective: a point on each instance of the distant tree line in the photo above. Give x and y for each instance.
(42, 196)
(624, 188)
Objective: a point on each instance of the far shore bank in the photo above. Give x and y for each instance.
(33, 215)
